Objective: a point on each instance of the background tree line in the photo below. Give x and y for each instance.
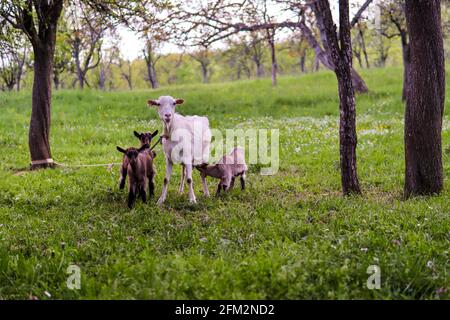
(87, 51)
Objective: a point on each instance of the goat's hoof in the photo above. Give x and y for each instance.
(160, 202)
(192, 201)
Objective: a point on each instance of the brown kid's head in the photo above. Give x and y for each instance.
(202, 167)
(145, 137)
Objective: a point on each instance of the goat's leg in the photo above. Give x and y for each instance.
(219, 187)
(227, 181)
(143, 192)
(163, 197)
(131, 196)
(190, 183)
(183, 177)
(151, 184)
(123, 176)
(205, 185)
(231, 183)
(242, 181)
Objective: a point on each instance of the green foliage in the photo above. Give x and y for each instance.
(291, 235)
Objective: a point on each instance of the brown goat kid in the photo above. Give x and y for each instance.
(145, 138)
(140, 171)
(227, 169)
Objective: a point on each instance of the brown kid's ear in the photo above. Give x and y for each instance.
(152, 103)
(179, 101)
(121, 150)
(138, 135)
(154, 133)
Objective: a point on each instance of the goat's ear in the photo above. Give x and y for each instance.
(138, 135)
(154, 133)
(179, 101)
(151, 102)
(121, 150)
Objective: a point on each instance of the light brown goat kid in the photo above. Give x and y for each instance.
(227, 169)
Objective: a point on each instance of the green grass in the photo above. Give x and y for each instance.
(291, 235)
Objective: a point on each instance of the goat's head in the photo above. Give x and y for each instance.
(132, 153)
(145, 137)
(202, 168)
(211, 170)
(166, 107)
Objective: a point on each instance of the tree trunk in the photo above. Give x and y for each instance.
(363, 47)
(425, 99)
(342, 59)
(11, 83)
(56, 79)
(357, 54)
(248, 72)
(357, 82)
(303, 61)
(41, 105)
(20, 69)
(316, 66)
(347, 130)
(406, 64)
(129, 77)
(76, 55)
(204, 67)
(239, 71)
(259, 68)
(80, 79)
(273, 57)
(102, 78)
(151, 73)
(384, 53)
(19, 80)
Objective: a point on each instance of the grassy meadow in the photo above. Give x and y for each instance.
(287, 236)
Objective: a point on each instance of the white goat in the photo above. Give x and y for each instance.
(186, 140)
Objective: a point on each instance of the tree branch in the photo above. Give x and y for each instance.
(360, 12)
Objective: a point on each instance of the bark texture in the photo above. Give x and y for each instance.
(151, 58)
(341, 54)
(273, 55)
(406, 64)
(425, 99)
(43, 43)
